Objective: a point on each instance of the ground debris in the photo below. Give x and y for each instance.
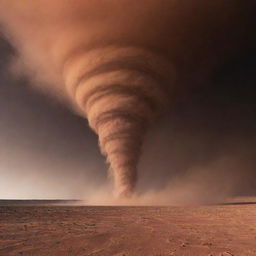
(185, 244)
(207, 244)
(226, 254)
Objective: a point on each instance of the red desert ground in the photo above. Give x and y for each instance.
(32, 228)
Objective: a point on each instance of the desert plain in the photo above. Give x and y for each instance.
(70, 229)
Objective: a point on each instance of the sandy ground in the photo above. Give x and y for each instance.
(128, 231)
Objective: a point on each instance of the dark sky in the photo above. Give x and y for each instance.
(46, 151)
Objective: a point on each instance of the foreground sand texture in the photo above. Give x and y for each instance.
(128, 231)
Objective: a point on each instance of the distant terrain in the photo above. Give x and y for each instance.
(33, 228)
(33, 202)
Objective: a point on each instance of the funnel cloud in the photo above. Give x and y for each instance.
(121, 64)
(119, 90)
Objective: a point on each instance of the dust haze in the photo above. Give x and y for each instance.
(127, 71)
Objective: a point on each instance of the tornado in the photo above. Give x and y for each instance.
(110, 76)
(119, 90)
(119, 63)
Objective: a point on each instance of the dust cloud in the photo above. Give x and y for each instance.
(119, 89)
(119, 64)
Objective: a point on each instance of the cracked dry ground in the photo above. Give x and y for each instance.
(128, 231)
